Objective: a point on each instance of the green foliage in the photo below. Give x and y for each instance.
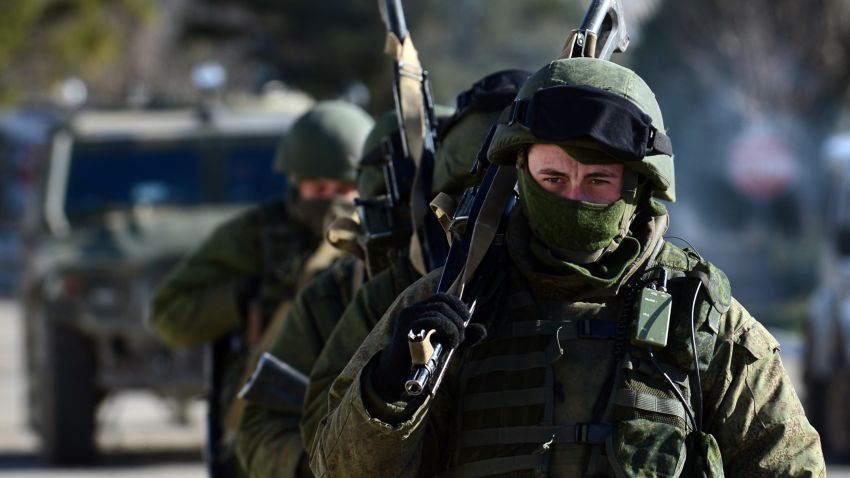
(44, 40)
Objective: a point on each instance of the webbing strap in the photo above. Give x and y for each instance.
(507, 399)
(584, 433)
(487, 223)
(650, 403)
(569, 329)
(495, 466)
(506, 363)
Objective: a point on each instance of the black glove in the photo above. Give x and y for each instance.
(443, 313)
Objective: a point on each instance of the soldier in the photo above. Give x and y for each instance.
(460, 140)
(249, 267)
(602, 350)
(268, 443)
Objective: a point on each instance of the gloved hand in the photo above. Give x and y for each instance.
(441, 312)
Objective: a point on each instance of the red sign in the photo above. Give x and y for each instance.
(762, 164)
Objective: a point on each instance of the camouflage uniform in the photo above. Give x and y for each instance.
(460, 138)
(197, 302)
(267, 443)
(265, 248)
(243, 277)
(265, 433)
(557, 388)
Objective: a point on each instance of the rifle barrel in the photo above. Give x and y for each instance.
(394, 18)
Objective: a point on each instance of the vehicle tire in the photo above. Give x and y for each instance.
(835, 431)
(68, 400)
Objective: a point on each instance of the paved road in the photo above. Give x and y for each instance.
(137, 432)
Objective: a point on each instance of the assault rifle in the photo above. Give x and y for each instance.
(417, 124)
(602, 32)
(386, 219)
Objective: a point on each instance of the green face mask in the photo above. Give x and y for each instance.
(578, 230)
(310, 212)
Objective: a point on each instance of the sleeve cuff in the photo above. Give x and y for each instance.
(400, 415)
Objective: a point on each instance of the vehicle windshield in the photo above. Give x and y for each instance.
(119, 174)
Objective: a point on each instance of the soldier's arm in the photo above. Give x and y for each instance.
(360, 316)
(752, 409)
(268, 443)
(197, 301)
(362, 435)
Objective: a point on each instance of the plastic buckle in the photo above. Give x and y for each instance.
(516, 106)
(581, 433)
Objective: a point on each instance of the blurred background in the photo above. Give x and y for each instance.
(187, 98)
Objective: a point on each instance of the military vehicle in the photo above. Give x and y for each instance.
(122, 196)
(827, 358)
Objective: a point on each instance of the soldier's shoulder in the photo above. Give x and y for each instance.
(255, 214)
(331, 280)
(741, 328)
(419, 289)
(424, 286)
(730, 319)
(688, 262)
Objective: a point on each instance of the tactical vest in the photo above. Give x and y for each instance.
(558, 389)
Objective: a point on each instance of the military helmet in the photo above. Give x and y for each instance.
(324, 142)
(461, 136)
(590, 120)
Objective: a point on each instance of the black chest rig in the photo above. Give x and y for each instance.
(560, 389)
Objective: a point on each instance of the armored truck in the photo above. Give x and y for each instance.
(120, 197)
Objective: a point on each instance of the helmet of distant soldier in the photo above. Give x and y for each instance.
(511, 137)
(324, 143)
(462, 135)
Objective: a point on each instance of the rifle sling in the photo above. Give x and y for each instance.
(487, 223)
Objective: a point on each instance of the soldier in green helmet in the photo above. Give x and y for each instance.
(460, 140)
(595, 348)
(248, 270)
(268, 443)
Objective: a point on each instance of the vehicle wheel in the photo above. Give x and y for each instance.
(815, 404)
(68, 398)
(836, 422)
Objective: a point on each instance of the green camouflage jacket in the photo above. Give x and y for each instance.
(196, 303)
(268, 443)
(750, 409)
(365, 310)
